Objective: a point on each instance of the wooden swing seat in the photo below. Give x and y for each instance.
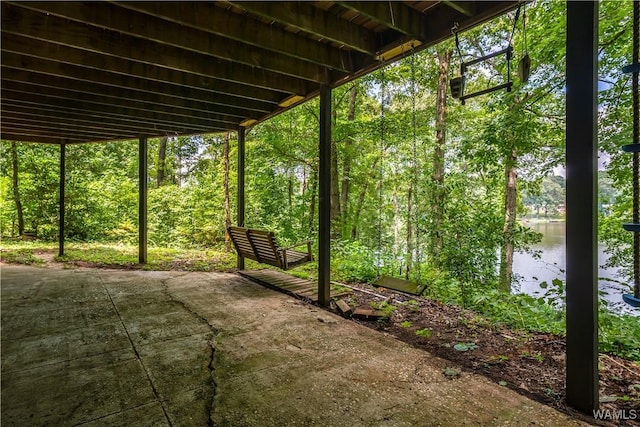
(261, 246)
(406, 286)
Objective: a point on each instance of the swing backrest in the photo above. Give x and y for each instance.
(258, 245)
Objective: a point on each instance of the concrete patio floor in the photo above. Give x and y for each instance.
(136, 348)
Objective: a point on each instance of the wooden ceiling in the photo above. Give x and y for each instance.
(96, 71)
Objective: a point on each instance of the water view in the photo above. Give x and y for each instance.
(552, 263)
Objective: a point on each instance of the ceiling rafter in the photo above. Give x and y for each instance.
(68, 117)
(216, 20)
(48, 137)
(115, 110)
(178, 120)
(93, 71)
(30, 115)
(304, 17)
(51, 83)
(114, 46)
(146, 30)
(397, 16)
(149, 122)
(47, 57)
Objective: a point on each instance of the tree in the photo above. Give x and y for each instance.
(16, 188)
(437, 188)
(162, 159)
(225, 186)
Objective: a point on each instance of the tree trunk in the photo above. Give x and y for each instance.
(290, 187)
(511, 194)
(16, 190)
(438, 189)
(346, 162)
(179, 168)
(162, 161)
(409, 256)
(314, 193)
(227, 199)
(396, 225)
(335, 191)
(360, 203)
(305, 181)
(335, 180)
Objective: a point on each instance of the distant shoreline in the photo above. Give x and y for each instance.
(542, 220)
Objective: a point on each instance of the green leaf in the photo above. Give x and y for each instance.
(451, 372)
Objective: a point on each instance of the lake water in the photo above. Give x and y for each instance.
(552, 263)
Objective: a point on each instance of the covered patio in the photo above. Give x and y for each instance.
(88, 72)
(122, 348)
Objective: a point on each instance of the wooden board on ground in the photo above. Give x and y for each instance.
(365, 313)
(285, 283)
(401, 285)
(344, 308)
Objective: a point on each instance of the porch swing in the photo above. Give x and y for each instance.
(457, 84)
(390, 282)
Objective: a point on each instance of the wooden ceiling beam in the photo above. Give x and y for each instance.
(216, 20)
(26, 111)
(67, 129)
(47, 59)
(111, 47)
(395, 15)
(149, 114)
(442, 17)
(152, 124)
(98, 102)
(111, 80)
(467, 8)
(18, 113)
(305, 17)
(29, 135)
(147, 30)
(44, 82)
(26, 137)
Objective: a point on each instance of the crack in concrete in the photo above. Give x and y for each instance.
(156, 394)
(214, 331)
(212, 372)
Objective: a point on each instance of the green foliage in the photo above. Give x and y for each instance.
(451, 372)
(533, 356)
(20, 256)
(619, 334)
(354, 262)
(119, 255)
(384, 306)
(380, 165)
(519, 310)
(465, 346)
(413, 305)
(424, 332)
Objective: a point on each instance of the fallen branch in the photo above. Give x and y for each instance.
(619, 364)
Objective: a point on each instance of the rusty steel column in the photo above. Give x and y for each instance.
(63, 152)
(324, 199)
(142, 200)
(240, 201)
(581, 199)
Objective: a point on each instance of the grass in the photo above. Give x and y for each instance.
(21, 256)
(119, 256)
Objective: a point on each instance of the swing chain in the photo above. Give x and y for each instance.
(454, 30)
(383, 89)
(415, 205)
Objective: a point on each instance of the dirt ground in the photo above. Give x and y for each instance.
(92, 347)
(530, 363)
